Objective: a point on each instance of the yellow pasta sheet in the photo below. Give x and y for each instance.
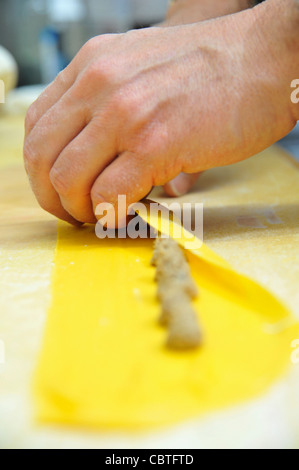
(104, 362)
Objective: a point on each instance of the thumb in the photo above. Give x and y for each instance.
(181, 184)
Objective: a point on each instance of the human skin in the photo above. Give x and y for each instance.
(192, 11)
(187, 12)
(134, 110)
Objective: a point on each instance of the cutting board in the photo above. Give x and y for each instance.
(251, 218)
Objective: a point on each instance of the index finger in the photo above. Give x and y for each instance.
(47, 99)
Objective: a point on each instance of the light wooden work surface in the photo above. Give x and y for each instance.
(251, 218)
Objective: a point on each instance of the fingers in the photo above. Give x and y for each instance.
(127, 175)
(50, 136)
(55, 130)
(52, 203)
(48, 98)
(130, 176)
(181, 184)
(78, 166)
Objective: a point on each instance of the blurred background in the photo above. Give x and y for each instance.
(44, 35)
(33, 30)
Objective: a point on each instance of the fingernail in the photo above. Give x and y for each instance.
(180, 185)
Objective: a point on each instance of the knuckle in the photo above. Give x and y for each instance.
(127, 104)
(86, 48)
(163, 176)
(101, 72)
(95, 195)
(155, 154)
(166, 168)
(46, 206)
(61, 80)
(97, 42)
(60, 182)
(31, 157)
(151, 145)
(90, 45)
(30, 118)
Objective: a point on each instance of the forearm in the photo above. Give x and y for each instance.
(192, 11)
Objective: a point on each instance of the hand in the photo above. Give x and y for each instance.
(134, 110)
